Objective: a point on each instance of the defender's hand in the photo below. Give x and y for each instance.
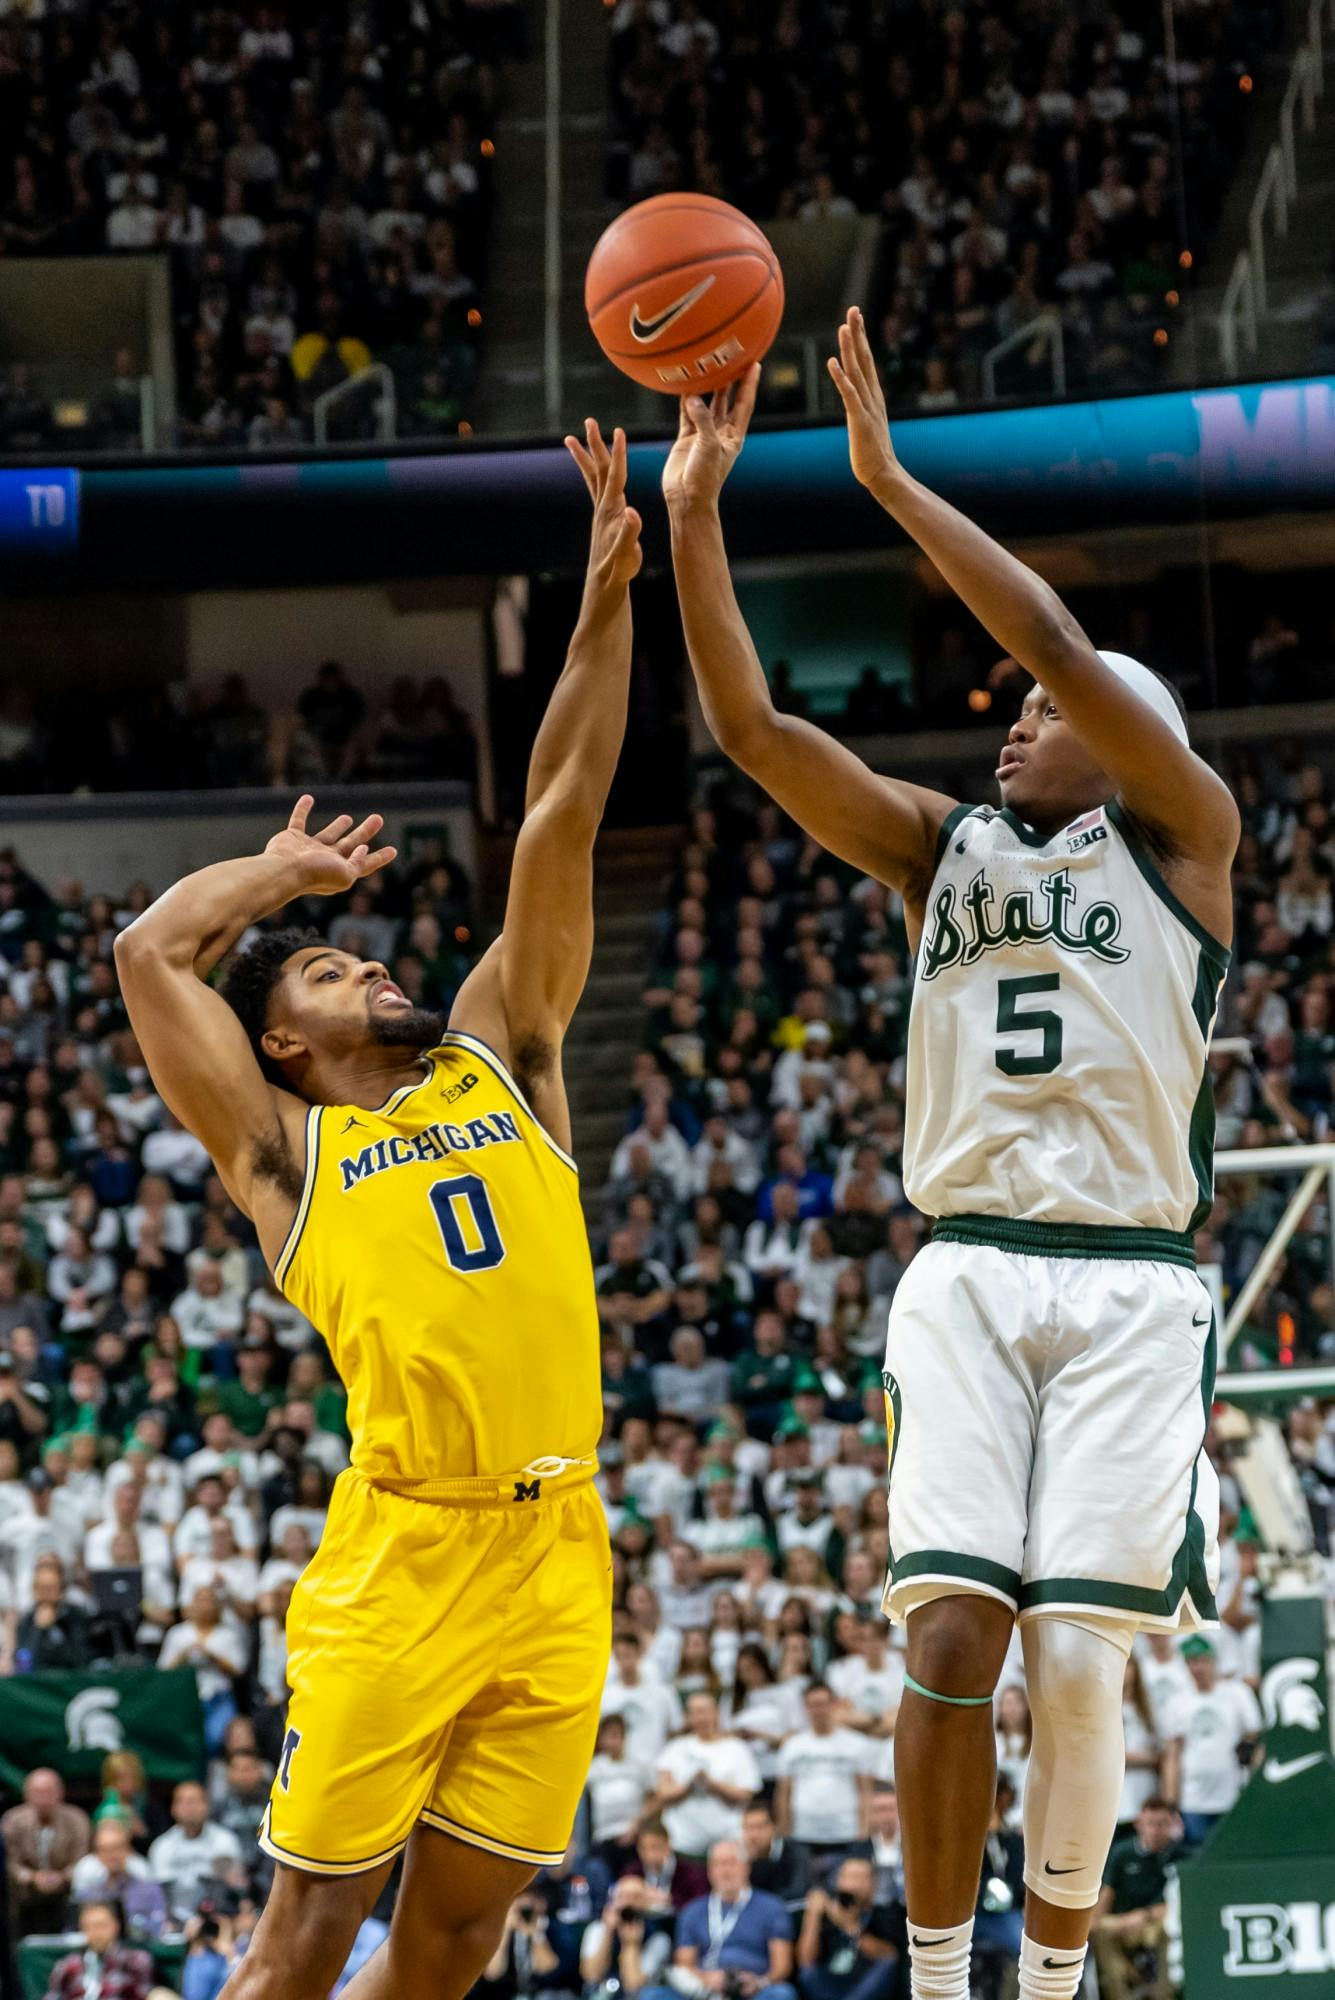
(710, 437)
(854, 376)
(615, 555)
(334, 859)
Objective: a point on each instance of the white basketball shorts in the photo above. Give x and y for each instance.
(1047, 1393)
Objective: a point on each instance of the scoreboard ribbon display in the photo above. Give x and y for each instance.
(39, 515)
(194, 523)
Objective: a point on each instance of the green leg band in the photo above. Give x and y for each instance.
(950, 1700)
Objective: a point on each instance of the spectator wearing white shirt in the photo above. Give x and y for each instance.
(807, 1525)
(771, 1249)
(868, 1681)
(220, 1248)
(1217, 1725)
(205, 1312)
(195, 1852)
(823, 1793)
(127, 1517)
(760, 1710)
(620, 1787)
(686, 1596)
(227, 1569)
(649, 1707)
(155, 1200)
(145, 1463)
(210, 1503)
(1165, 1676)
(133, 222)
(48, 1525)
(291, 1329)
(721, 1145)
(81, 1281)
(704, 1780)
(1015, 1742)
(817, 1270)
(173, 1151)
(217, 1652)
(724, 1535)
(310, 1508)
(668, 1152)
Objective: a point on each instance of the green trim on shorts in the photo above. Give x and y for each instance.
(943, 1562)
(1187, 1577)
(1067, 1239)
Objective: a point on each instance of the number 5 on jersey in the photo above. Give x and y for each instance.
(1012, 1020)
(467, 1223)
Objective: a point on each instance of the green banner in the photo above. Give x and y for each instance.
(1258, 1902)
(73, 1721)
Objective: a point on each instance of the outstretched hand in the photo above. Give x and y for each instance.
(335, 858)
(854, 376)
(709, 440)
(615, 554)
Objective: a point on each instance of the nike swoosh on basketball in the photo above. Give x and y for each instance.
(1278, 1771)
(646, 330)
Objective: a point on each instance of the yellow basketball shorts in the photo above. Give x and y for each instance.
(446, 1657)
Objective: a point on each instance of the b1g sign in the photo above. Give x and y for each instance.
(1258, 1903)
(1265, 1940)
(39, 512)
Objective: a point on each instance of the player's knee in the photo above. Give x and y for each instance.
(956, 1645)
(1075, 1675)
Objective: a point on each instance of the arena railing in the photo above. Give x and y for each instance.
(385, 404)
(1316, 1164)
(1244, 304)
(1046, 330)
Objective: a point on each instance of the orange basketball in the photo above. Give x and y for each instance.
(683, 293)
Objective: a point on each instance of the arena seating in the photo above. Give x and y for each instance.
(319, 178)
(163, 1411)
(1019, 164)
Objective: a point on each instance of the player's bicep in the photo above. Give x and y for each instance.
(883, 826)
(200, 1060)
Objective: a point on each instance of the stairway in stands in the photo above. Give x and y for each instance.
(511, 393)
(1296, 263)
(630, 866)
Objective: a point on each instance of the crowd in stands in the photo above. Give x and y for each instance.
(319, 177)
(1040, 161)
(219, 736)
(167, 1417)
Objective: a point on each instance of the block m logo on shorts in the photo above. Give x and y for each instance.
(528, 1489)
(1274, 1939)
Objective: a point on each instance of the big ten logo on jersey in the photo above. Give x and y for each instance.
(1084, 832)
(454, 1091)
(1269, 1940)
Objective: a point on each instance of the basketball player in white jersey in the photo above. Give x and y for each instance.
(1051, 1352)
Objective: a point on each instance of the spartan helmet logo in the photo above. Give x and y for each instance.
(1289, 1699)
(91, 1721)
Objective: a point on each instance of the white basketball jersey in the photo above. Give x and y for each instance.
(1059, 1031)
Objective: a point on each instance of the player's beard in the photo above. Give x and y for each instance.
(419, 1028)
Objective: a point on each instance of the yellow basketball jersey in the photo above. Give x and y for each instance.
(439, 1246)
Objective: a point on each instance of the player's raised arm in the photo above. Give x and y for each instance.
(881, 825)
(523, 994)
(194, 1044)
(1164, 784)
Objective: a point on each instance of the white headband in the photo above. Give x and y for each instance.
(1149, 687)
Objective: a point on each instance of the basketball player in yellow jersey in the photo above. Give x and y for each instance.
(412, 1188)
